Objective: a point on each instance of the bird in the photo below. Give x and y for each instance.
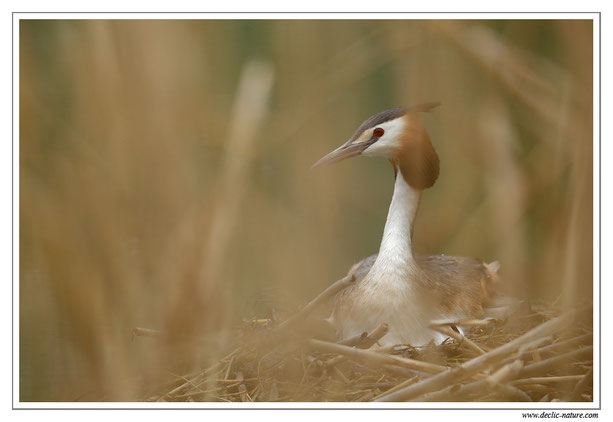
(397, 286)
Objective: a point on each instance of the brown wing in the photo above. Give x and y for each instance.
(464, 284)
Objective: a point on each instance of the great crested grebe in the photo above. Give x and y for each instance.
(404, 289)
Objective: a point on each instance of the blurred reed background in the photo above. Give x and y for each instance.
(165, 182)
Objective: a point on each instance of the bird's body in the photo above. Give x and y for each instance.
(443, 288)
(397, 286)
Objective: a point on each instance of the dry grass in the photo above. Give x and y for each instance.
(158, 190)
(534, 354)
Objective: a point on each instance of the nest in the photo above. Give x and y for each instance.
(536, 353)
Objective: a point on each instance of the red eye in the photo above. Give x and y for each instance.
(378, 132)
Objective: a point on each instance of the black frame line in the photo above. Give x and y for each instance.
(599, 408)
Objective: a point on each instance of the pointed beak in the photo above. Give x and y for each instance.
(347, 150)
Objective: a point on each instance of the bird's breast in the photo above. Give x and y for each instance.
(394, 291)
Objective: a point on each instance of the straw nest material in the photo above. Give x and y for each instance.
(533, 353)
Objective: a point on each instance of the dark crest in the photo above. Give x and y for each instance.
(391, 114)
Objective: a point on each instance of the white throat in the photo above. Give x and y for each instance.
(396, 254)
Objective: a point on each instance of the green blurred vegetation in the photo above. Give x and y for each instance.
(124, 130)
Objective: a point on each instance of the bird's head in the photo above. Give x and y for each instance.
(398, 135)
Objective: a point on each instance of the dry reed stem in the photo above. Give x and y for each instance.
(377, 334)
(397, 387)
(363, 341)
(200, 376)
(552, 348)
(394, 349)
(458, 391)
(250, 106)
(145, 332)
(496, 382)
(249, 109)
(374, 358)
(402, 372)
(355, 340)
(505, 373)
(556, 361)
(547, 380)
(301, 315)
(581, 386)
(470, 322)
(242, 390)
(462, 341)
(485, 47)
(481, 362)
(229, 368)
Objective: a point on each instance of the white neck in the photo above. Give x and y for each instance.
(395, 253)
